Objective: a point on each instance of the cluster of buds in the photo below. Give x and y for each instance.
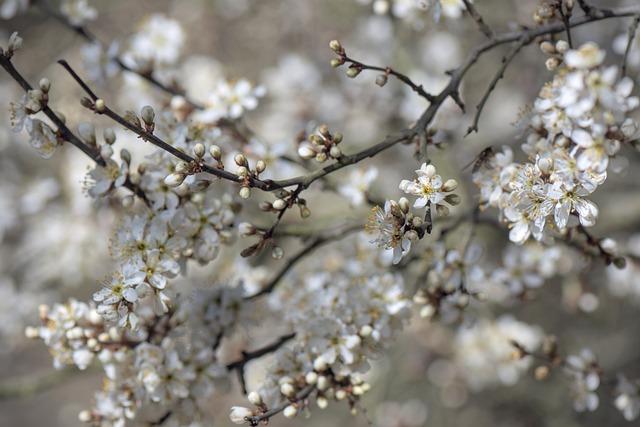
(321, 381)
(321, 145)
(354, 68)
(555, 52)
(285, 200)
(15, 43)
(550, 10)
(183, 169)
(74, 332)
(246, 173)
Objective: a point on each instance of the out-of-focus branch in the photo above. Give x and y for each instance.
(482, 26)
(633, 29)
(506, 60)
(248, 356)
(31, 385)
(309, 247)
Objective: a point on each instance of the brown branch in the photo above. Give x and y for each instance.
(482, 26)
(633, 29)
(310, 247)
(92, 152)
(388, 71)
(248, 356)
(302, 395)
(506, 60)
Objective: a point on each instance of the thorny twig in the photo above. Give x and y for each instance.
(482, 26)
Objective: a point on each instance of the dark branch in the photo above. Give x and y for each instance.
(482, 26)
(633, 29)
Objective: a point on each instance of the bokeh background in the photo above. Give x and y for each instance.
(54, 239)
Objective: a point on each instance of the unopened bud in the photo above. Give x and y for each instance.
(15, 43)
(306, 152)
(215, 152)
(261, 165)
(240, 160)
(404, 204)
(199, 150)
(244, 192)
(100, 106)
(148, 115)
(552, 63)
(335, 46)
(450, 185)
(44, 84)
(181, 167)
(381, 80)
(255, 398)
(321, 157)
(311, 377)
(541, 372)
(174, 179)
(277, 252)
(547, 47)
(109, 136)
(279, 204)
(336, 62)
(353, 72)
(246, 229)
(562, 46)
(290, 411)
(337, 138)
(335, 152)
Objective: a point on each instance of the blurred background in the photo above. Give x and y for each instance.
(54, 239)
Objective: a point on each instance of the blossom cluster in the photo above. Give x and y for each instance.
(578, 123)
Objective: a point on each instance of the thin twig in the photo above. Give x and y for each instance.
(506, 60)
(92, 152)
(633, 29)
(302, 395)
(310, 247)
(482, 26)
(248, 356)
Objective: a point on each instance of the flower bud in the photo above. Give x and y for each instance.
(181, 167)
(323, 383)
(100, 106)
(411, 235)
(290, 411)
(174, 179)
(106, 151)
(255, 398)
(337, 138)
(31, 332)
(450, 185)
(279, 204)
(322, 402)
(552, 63)
(287, 389)
(87, 133)
(246, 229)
(85, 416)
(242, 172)
(198, 150)
(352, 72)
(341, 394)
(541, 372)
(319, 364)
(244, 192)
(545, 164)
(336, 62)
(239, 414)
(277, 252)
(335, 152)
(366, 331)
(240, 160)
(306, 152)
(547, 47)
(404, 204)
(334, 45)
(562, 46)
(442, 210)
(109, 136)
(15, 43)
(44, 84)
(261, 165)
(311, 378)
(321, 157)
(148, 115)
(381, 80)
(305, 212)
(453, 199)
(215, 152)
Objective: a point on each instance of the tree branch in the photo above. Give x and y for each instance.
(92, 152)
(302, 395)
(482, 26)
(633, 29)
